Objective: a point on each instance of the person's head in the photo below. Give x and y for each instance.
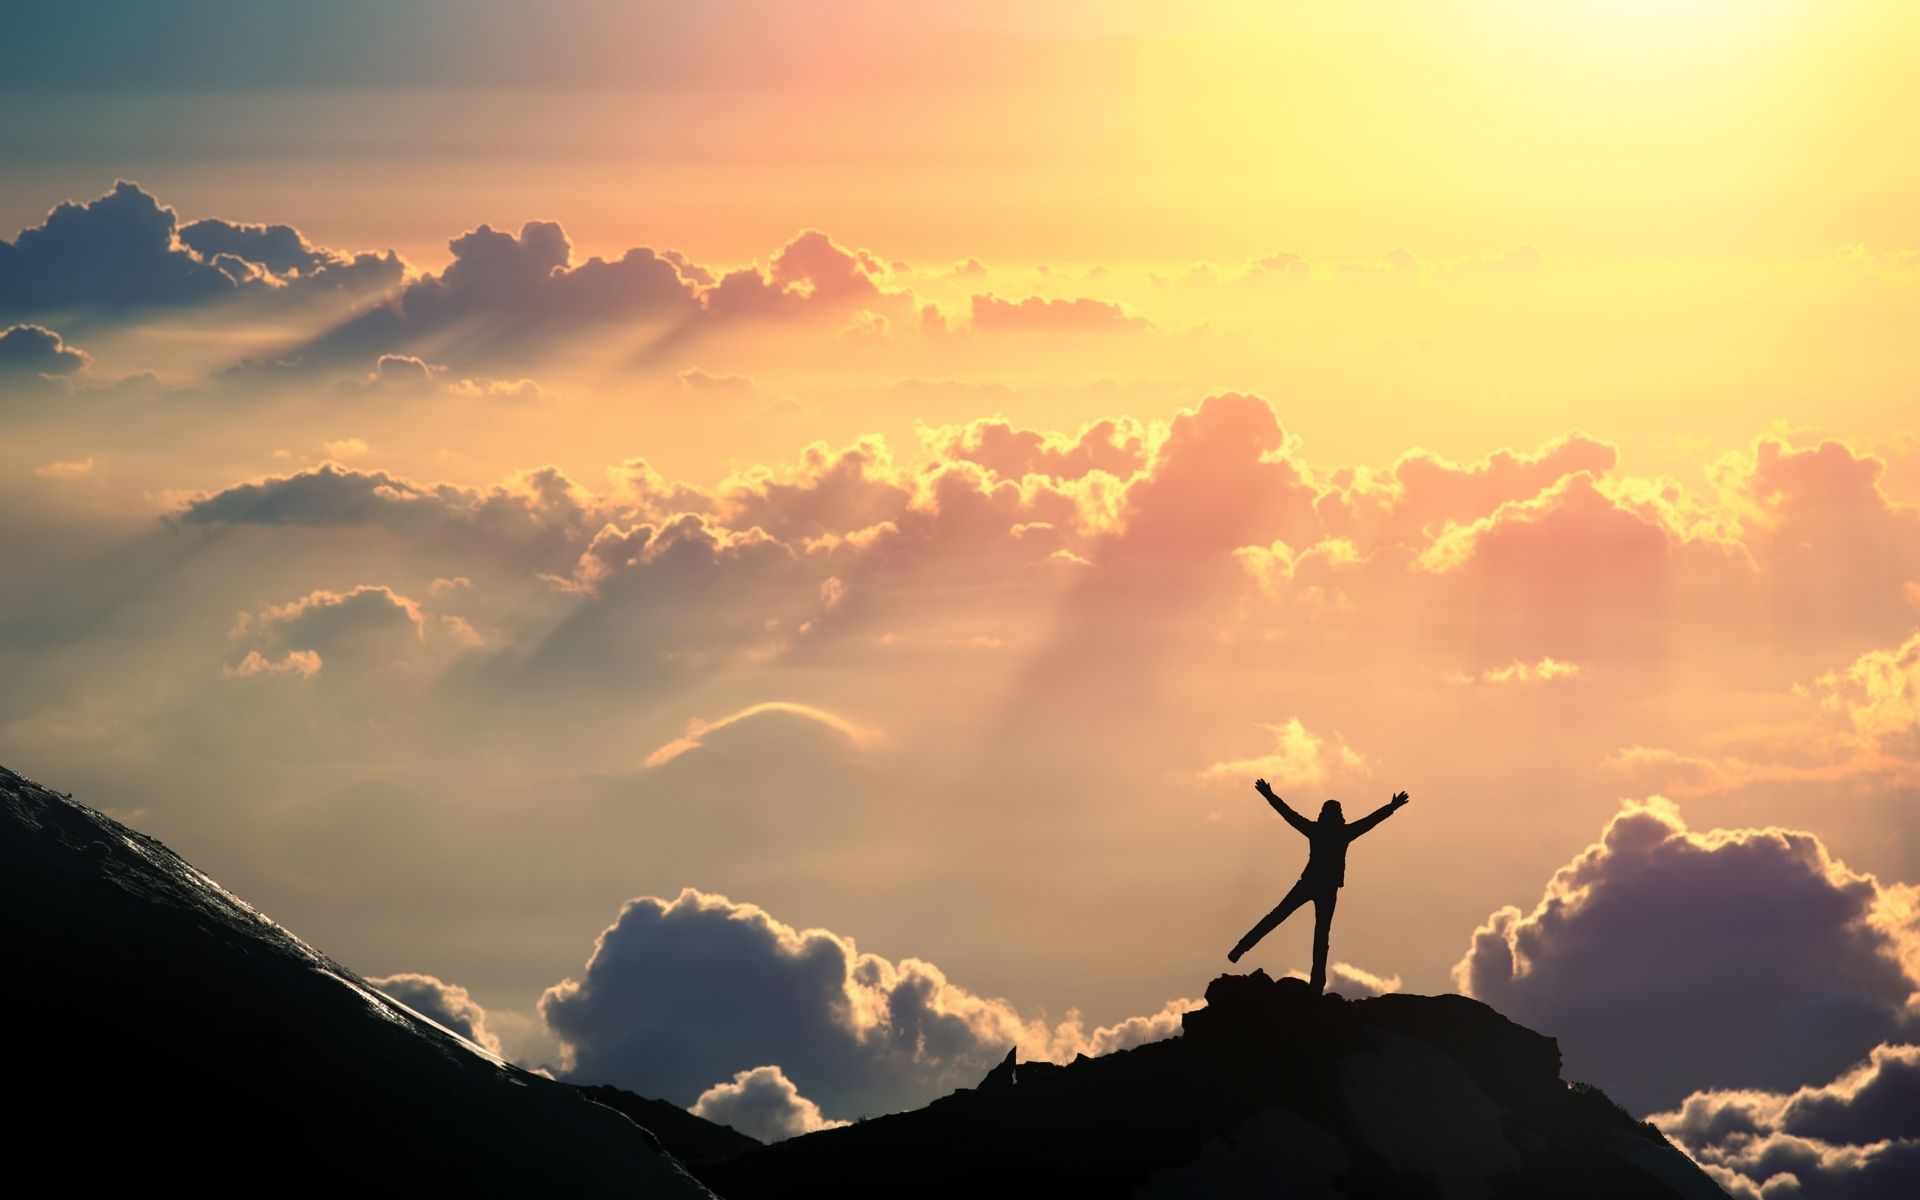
(1330, 811)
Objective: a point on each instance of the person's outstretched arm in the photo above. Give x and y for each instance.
(1376, 816)
(1280, 806)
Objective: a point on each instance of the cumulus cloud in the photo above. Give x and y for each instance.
(1298, 759)
(539, 517)
(1667, 960)
(125, 250)
(36, 350)
(507, 295)
(682, 992)
(763, 1104)
(1855, 1138)
(811, 274)
(444, 1003)
(1879, 696)
(368, 627)
(697, 730)
(285, 256)
(1114, 446)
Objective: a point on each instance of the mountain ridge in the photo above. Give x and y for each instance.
(169, 1031)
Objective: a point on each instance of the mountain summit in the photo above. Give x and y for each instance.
(1270, 1091)
(164, 1033)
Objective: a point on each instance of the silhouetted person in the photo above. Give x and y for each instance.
(1325, 875)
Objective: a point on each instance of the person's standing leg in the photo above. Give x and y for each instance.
(1322, 934)
(1281, 912)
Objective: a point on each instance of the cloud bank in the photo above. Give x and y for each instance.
(1666, 960)
(1856, 1138)
(683, 993)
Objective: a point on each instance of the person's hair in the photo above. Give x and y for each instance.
(1332, 808)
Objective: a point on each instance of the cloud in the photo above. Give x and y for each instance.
(446, 1004)
(679, 993)
(124, 250)
(1667, 961)
(1041, 315)
(539, 519)
(1298, 759)
(369, 627)
(303, 663)
(35, 350)
(68, 469)
(1355, 983)
(1547, 670)
(351, 447)
(505, 294)
(1879, 695)
(709, 385)
(697, 730)
(763, 1104)
(1856, 1137)
(1859, 722)
(285, 256)
(811, 275)
(1114, 446)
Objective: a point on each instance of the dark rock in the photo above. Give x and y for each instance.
(164, 1034)
(688, 1138)
(1270, 1090)
(1001, 1076)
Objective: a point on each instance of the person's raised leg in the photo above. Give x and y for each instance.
(1322, 935)
(1267, 924)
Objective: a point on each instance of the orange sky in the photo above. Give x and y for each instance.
(1512, 403)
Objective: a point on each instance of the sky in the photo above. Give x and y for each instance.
(758, 549)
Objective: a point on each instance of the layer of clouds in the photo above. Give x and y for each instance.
(1522, 569)
(1855, 1138)
(506, 297)
(1666, 960)
(445, 1003)
(763, 1104)
(682, 992)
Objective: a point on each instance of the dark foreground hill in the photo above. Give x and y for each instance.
(162, 1034)
(688, 1138)
(1270, 1091)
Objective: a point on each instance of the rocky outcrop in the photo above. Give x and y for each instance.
(1270, 1090)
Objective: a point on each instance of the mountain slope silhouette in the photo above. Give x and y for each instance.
(1269, 1091)
(161, 1031)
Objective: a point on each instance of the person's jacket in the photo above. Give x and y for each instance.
(1327, 857)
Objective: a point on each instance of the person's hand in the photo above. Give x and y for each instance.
(1399, 797)
(1260, 785)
